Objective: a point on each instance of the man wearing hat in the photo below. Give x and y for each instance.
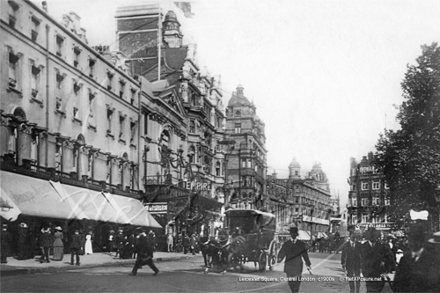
(46, 242)
(145, 254)
(377, 260)
(75, 247)
(351, 260)
(418, 270)
(294, 251)
(6, 239)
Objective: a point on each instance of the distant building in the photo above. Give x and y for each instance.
(368, 198)
(246, 162)
(299, 201)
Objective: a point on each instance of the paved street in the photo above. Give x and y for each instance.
(186, 275)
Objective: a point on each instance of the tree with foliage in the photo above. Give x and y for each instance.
(410, 157)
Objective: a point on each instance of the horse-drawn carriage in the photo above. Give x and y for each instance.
(251, 237)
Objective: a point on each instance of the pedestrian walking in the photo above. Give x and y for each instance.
(170, 242)
(294, 251)
(145, 254)
(75, 248)
(418, 269)
(186, 242)
(88, 249)
(58, 245)
(6, 240)
(351, 262)
(376, 259)
(46, 242)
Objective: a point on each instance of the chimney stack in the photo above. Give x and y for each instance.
(44, 6)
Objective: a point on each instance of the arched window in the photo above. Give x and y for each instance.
(165, 138)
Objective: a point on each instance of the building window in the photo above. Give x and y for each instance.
(76, 87)
(13, 8)
(35, 79)
(122, 88)
(132, 131)
(237, 113)
(353, 187)
(386, 186)
(77, 52)
(121, 127)
(364, 218)
(249, 163)
(145, 123)
(59, 79)
(243, 163)
(36, 28)
(354, 202)
(92, 98)
(387, 201)
(237, 127)
(60, 45)
(217, 169)
(376, 185)
(76, 114)
(191, 154)
(92, 63)
(13, 69)
(364, 186)
(364, 202)
(192, 127)
(376, 201)
(133, 96)
(109, 120)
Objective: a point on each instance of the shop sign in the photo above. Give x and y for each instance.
(157, 208)
(199, 186)
(376, 225)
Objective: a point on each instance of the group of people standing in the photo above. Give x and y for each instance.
(417, 271)
(46, 243)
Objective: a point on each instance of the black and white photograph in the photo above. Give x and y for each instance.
(220, 146)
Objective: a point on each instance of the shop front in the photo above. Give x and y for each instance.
(30, 204)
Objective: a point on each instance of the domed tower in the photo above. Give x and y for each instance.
(171, 30)
(294, 169)
(319, 176)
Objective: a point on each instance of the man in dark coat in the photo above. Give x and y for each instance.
(23, 242)
(46, 242)
(75, 247)
(6, 240)
(351, 262)
(294, 251)
(145, 254)
(377, 259)
(418, 270)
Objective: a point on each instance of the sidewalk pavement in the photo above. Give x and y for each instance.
(100, 259)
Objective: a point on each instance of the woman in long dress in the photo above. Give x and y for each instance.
(88, 247)
(58, 245)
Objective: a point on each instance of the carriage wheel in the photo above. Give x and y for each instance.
(272, 259)
(262, 261)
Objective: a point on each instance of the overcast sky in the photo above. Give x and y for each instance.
(324, 75)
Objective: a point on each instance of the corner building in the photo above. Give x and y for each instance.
(368, 198)
(70, 123)
(246, 158)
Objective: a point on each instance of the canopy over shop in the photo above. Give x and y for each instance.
(45, 201)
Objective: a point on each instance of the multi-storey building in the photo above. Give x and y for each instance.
(301, 201)
(70, 126)
(368, 198)
(192, 165)
(246, 160)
